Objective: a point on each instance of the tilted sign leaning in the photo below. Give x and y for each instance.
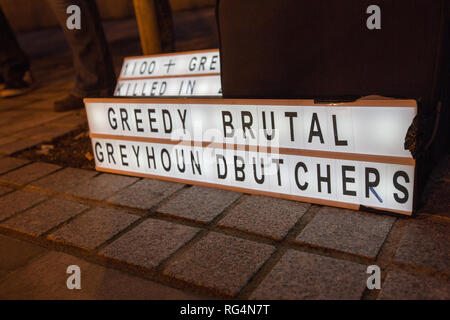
(194, 73)
(345, 155)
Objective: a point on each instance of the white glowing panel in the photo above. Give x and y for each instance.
(172, 64)
(345, 183)
(175, 86)
(364, 127)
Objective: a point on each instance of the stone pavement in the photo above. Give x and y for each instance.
(147, 239)
(143, 239)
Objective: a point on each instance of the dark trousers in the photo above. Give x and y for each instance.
(92, 61)
(13, 61)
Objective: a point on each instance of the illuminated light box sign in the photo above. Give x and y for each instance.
(194, 73)
(345, 155)
(176, 86)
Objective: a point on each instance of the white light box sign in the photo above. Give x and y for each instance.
(329, 181)
(172, 64)
(202, 85)
(375, 128)
(346, 155)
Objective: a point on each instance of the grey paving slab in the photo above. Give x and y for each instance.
(426, 244)
(10, 163)
(145, 193)
(29, 173)
(199, 203)
(15, 254)
(306, 276)
(64, 180)
(350, 231)
(18, 201)
(46, 277)
(102, 186)
(220, 262)
(148, 244)
(44, 216)
(4, 190)
(93, 228)
(266, 216)
(400, 285)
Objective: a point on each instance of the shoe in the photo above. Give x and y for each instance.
(68, 103)
(18, 87)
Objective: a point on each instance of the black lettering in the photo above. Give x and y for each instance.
(315, 133)
(110, 151)
(271, 136)
(183, 119)
(164, 114)
(299, 165)
(162, 88)
(239, 173)
(369, 183)
(151, 120)
(112, 121)
(151, 157)
(258, 180)
(291, 116)
(247, 124)
(336, 138)
(221, 175)
(227, 123)
(151, 68)
(136, 154)
(138, 121)
(321, 179)
(400, 187)
(165, 152)
(154, 87)
(201, 66)
(101, 158)
(181, 169)
(195, 164)
(123, 156)
(192, 64)
(213, 62)
(278, 162)
(346, 180)
(124, 118)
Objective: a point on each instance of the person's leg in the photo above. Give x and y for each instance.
(92, 61)
(13, 62)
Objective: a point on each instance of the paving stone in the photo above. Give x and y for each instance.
(145, 193)
(29, 173)
(220, 262)
(93, 228)
(46, 277)
(200, 203)
(264, 215)
(358, 233)
(306, 276)
(10, 163)
(18, 201)
(64, 180)
(403, 286)
(16, 253)
(44, 216)
(426, 244)
(150, 243)
(19, 145)
(102, 186)
(4, 190)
